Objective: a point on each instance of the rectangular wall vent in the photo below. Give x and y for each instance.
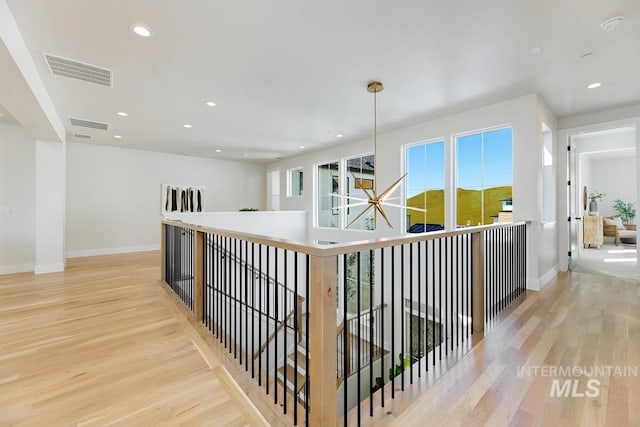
(88, 124)
(80, 135)
(79, 70)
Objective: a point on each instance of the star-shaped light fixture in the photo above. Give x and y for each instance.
(374, 200)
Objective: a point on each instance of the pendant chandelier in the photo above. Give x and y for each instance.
(376, 201)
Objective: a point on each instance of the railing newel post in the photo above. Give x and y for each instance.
(322, 363)
(477, 281)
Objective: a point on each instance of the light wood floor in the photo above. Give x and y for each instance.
(103, 344)
(578, 320)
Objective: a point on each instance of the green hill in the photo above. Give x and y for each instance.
(468, 207)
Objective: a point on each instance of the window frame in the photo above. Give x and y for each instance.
(290, 172)
(446, 171)
(454, 163)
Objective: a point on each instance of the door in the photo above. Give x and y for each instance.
(574, 209)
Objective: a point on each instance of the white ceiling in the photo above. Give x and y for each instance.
(291, 73)
(5, 115)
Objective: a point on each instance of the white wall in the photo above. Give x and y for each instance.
(616, 179)
(523, 114)
(288, 225)
(544, 229)
(50, 205)
(17, 189)
(114, 200)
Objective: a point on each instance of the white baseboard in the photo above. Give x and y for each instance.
(111, 251)
(49, 268)
(16, 268)
(548, 276)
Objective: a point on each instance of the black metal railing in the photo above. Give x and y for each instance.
(178, 262)
(347, 336)
(406, 307)
(255, 304)
(425, 287)
(505, 268)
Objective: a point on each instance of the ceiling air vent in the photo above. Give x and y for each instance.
(88, 124)
(83, 136)
(78, 70)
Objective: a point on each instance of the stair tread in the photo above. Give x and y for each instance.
(302, 363)
(290, 376)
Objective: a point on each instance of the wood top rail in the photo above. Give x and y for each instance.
(341, 248)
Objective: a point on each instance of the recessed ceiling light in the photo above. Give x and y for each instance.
(594, 85)
(211, 104)
(245, 155)
(141, 31)
(122, 114)
(611, 23)
(117, 136)
(188, 126)
(535, 50)
(218, 151)
(302, 146)
(339, 135)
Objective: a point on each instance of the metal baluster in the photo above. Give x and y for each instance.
(393, 320)
(370, 330)
(382, 324)
(359, 311)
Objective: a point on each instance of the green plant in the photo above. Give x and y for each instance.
(248, 209)
(597, 196)
(393, 372)
(626, 211)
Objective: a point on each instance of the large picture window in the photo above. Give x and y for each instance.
(484, 165)
(425, 186)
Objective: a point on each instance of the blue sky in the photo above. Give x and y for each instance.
(425, 162)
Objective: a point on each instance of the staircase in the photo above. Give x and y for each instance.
(295, 381)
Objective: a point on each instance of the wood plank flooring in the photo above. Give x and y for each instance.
(102, 344)
(105, 344)
(579, 320)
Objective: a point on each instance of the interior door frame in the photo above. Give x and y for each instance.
(564, 210)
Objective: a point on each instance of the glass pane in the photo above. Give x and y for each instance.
(498, 176)
(359, 179)
(295, 182)
(469, 182)
(365, 280)
(328, 195)
(425, 186)
(484, 168)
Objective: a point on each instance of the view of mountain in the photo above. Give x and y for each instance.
(468, 210)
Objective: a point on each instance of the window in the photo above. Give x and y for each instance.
(360, 173)
(328, 179)
(425, 186)
(295, 182)
(338, 205)
(484, 166)
(367, 276)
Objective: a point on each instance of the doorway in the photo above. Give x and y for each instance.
(602, 198)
